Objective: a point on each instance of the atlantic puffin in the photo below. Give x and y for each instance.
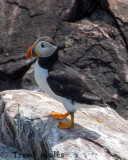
(60, 81)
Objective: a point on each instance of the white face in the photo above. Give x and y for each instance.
(44, 49)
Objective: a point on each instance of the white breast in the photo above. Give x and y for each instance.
(41, 75)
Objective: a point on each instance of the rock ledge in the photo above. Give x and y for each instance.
(99, 133)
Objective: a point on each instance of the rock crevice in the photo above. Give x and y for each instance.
(25, 8)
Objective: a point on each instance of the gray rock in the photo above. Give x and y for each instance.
(10, 153)
(99, 133)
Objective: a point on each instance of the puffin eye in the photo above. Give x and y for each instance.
(42, 45)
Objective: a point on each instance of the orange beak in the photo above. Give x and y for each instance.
(29, 53)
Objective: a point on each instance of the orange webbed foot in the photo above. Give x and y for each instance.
(64, 125)
(67, 125)
(59, 116)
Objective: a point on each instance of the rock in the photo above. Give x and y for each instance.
(126, 107)
(99, 133)
(21, 23)
(10, 153)
(119, 11)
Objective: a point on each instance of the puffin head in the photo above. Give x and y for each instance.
(43, 47)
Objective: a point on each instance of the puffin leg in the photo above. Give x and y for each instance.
(67, 125)
(59, 116)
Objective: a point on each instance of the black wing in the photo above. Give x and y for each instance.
(67, 83)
